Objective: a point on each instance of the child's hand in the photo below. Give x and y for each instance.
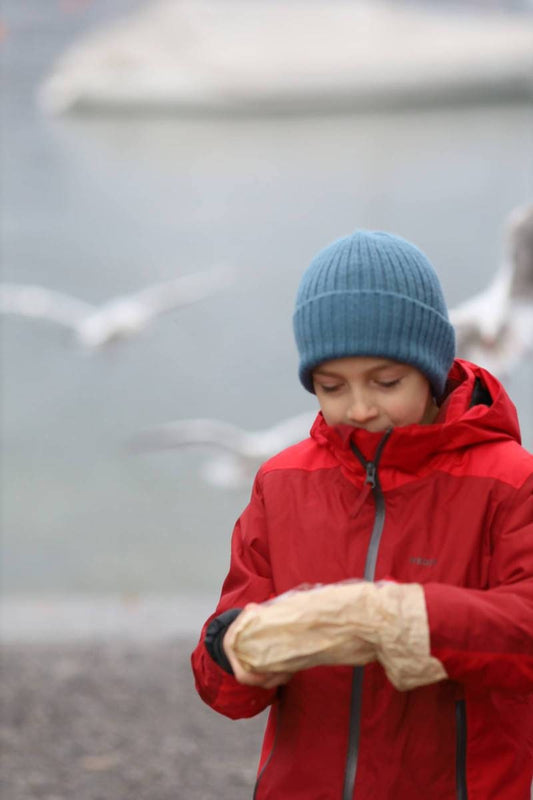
(266, 680)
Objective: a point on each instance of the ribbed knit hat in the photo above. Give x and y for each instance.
(373, 294)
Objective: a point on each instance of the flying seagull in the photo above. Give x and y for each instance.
(122, 317)
(242, 452)
(495, 327)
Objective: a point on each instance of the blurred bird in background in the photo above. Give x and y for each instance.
(494, 328)
(93, 326)
(241, 452)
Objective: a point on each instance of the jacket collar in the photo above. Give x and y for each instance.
(462, 422)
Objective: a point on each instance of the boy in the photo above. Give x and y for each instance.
(409, 675)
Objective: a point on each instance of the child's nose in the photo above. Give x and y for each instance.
(361, 410)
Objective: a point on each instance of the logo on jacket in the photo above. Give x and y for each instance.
(422, 562)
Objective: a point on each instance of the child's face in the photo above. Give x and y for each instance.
(373, 393)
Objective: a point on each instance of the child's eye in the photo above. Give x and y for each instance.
(329, 389)
(388, 384)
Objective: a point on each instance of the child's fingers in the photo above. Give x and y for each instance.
(265, 680)
(273, 679)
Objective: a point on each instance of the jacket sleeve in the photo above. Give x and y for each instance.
(248, 580)
(485, 638)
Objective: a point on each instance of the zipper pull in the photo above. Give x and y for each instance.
(371, 474)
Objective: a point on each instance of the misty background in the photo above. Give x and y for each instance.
(100, 203)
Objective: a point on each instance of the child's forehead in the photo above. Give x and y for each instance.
(358, 364)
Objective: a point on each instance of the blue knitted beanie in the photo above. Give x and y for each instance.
(373, 294)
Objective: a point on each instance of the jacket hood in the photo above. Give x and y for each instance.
(476, 409)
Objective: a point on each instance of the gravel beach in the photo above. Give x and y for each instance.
(117, 721)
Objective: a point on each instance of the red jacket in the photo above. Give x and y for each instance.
(458, 519)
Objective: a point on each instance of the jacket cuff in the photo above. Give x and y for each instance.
(215, 634)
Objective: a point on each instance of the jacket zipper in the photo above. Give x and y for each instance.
(370, 569)
(460, 750)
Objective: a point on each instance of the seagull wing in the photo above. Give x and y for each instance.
(483, 315)
(42, 303)
(285, 433)
(519, 230)
(127, 315)
(183, 290)
(207, 432)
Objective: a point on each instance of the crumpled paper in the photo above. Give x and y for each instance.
(304, 628)
(352, 623)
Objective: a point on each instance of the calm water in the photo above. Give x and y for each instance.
(97, 207)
